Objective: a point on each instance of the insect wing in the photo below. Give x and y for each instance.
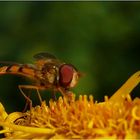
(44, 55)
(45, 58)
(8, 63)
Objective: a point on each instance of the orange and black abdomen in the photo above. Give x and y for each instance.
(18, 70)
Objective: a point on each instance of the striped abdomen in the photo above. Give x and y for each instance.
(23, 70)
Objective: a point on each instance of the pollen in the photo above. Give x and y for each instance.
(118, 117)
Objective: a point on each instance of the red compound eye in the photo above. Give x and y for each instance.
(66, 75)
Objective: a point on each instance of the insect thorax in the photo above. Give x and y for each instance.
(48, 76)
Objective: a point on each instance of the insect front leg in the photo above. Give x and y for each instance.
(66, 93)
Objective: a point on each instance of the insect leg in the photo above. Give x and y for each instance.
(54, 94)
(39, 96)
(65, 93)
(21, 87)
(27, 103)
(28, 100)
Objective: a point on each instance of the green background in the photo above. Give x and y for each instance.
(102, 39)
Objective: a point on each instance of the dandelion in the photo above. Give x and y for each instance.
(118, 117)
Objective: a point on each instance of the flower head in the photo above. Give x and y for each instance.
(116, 117)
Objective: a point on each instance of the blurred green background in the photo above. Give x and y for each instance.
(102, 39)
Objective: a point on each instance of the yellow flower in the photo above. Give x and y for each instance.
(116, 117)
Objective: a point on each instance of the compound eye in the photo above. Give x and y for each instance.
(66, 75)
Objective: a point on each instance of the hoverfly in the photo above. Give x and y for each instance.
(47, 73)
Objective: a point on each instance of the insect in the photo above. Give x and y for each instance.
(48, 72)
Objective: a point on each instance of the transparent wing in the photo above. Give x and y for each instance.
(45, 58)
(44, 55)
(11, 63)
(8, 63)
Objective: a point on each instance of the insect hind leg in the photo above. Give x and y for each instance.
(28, 100)
(21, 87)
